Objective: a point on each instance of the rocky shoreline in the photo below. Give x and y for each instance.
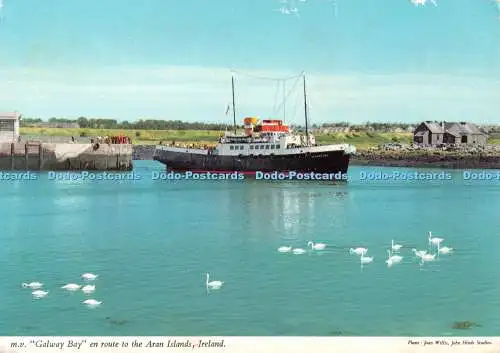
(448, 160)
(410, 159)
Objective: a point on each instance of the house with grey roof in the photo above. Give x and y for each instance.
(9, 126)
(431, 133)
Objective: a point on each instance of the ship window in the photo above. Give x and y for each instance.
(231, 147)
(241, 147)
(267, 147)
(261, 147)
(251, 147)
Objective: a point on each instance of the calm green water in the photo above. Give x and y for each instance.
(151, 243)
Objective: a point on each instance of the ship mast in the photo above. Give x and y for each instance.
(234, 110)
(284, 100)
(305, 108)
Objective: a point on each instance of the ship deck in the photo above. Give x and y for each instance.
(298, 150)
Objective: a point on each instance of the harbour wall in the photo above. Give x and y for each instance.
(65, 156)
(143, 152)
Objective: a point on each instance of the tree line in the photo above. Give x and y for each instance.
(141, 124)
(150, 124)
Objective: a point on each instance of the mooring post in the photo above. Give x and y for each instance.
(26, 158)
(106, 156)
(12, 156)
(40, 156)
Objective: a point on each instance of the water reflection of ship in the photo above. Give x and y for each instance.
(291, 212)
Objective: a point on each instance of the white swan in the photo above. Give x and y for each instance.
(213, 284)
(284, 249)
(358, 251)
(298, 251)
(434, 241)
(317, 246)
(32, 285)
(419, 253)
(89, 276)
(395, 247)
(445, 250)
(88, 289)
(72, 287)
(366, 259)
(394, 259)
(39, 294)
(92, 303)
(427, 258)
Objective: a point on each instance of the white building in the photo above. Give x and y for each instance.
(9, 127)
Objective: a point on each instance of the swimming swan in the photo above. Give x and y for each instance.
(434, 241)
(32, 285)
(88, 289)
(366, 259)
(89, 276)
(72, 287)
(213, 284)
(445, 250)
(358, 251)
(419, 253)
(92, 303)
(427, 258)
(393, 259)
(298, 251)
(395, 247)
(39, 294)
(284, 249)
(317, 246)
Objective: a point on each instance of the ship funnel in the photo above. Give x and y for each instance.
(249, 124)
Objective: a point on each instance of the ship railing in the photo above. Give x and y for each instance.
(323, 148)
(183, 149)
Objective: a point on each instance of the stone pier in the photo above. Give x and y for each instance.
(65, 156)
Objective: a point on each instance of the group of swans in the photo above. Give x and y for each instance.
(434, 241)
(393, 259)
(426, 256)
(38, 293)
(215, 285)
(361, 252)
(73, 287)
(300, 251)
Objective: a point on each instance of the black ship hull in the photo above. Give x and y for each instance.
(319, 162)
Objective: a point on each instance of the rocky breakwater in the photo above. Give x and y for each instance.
(143, 152)
(456, 158)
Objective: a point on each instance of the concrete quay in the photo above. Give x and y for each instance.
(33, 156)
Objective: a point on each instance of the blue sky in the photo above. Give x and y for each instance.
(381, 60)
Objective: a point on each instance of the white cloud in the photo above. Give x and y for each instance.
(201, 94)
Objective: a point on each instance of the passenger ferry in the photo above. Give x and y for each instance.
(266, 146)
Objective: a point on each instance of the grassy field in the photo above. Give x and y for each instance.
(144, 137)
(361, 140)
